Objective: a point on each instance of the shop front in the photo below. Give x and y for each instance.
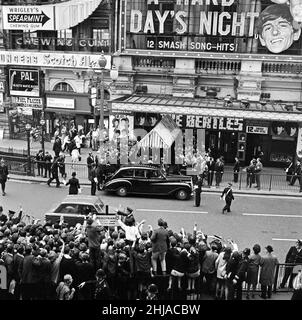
(227, 132)
(64, 111)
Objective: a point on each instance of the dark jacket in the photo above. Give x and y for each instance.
(27, 269)
(3, 173)
(236, 166)
(90, 161)
(93, 290)
(85, 271)
(57, 146)
(293, 256)
(160, 240)
(219, 167)
(211, 165)
(228, 192)
(74, 185)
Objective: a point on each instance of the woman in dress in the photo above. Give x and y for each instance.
(253, 270)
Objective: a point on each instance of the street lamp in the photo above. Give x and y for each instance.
(100, 86)
(28, 129)
(42, 123)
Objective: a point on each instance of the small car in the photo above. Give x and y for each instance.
(149, 180)
(74, 208)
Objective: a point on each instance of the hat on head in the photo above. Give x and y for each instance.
(230, 184)
(67, 277)
(130, 210)
(269, 248)
(11, 212)
(299, 241)
(152, 288)
(246, 251)
(100, 273)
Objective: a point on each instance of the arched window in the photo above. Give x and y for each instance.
(63, 86)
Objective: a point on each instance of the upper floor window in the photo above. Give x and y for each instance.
(63, 86)
(65, 34)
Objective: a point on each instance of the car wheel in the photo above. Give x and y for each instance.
(122, 191)
(182, 194)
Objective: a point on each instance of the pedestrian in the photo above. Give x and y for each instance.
(297, 175)
(294, 256)
(90, 161)
(64, 289)
(297, 286)
(160, 242)
(290, 170)
(198, 190)
(47, 164)
(74, 184)
(54, 173)
(236, 169)
(4, 176)
(268, 265)
(220, 265)
(78, 142)
(57, 147)
(97, 289)
(94, 139)
(219, 168)
(228, 197)
(253, 270)
(62, 167)
(242, 273)
(40, 162)
(250, 174)
(94, 242)
(211, 168)
(258, 170)
(93, 179)
(231, 270)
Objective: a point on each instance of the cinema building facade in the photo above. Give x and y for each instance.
(205, 63)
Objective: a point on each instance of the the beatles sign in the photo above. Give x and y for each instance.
(212, 123)
(212, 25)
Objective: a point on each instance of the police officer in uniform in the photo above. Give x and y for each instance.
(198, 190)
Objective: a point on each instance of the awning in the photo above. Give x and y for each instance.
(71, 13)
(162, 135)
(203, 107)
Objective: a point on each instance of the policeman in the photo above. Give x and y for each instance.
(198, 190)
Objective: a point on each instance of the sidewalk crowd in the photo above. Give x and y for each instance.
(83, 262)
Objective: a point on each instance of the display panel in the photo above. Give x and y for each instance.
(239, 26)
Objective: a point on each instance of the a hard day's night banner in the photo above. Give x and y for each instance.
(239, 26)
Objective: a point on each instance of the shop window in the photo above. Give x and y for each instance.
(63, 86)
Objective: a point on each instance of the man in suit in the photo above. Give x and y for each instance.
(228, 196)
(54, 173)
(218, 169)
(297, 175)
(3, 175)
(93, 179)
(198, 190)
(47, 164)
(294, 255)
(268, 265)
(211, 167)
(40, 162)
(74, 184)
(90, 161)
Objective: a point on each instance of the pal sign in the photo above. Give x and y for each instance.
(24, 82)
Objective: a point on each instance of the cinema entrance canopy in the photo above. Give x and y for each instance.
(206, 108)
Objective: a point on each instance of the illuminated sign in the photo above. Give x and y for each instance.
(60, 103)
(257, 130)
(211, 25)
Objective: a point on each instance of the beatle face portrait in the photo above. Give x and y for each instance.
(283, 129)
(277, 28)
(140, 119)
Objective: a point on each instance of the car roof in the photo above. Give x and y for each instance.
(138, 167)
(83, 199)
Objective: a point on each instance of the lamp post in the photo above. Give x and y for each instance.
(100, 86)
(42, 123)
(28, 128)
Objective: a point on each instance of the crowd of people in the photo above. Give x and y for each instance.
(89, 261)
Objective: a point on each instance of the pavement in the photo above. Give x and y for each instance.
(20, 146)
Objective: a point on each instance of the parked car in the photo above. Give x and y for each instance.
(75, 207)
(144, 179)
